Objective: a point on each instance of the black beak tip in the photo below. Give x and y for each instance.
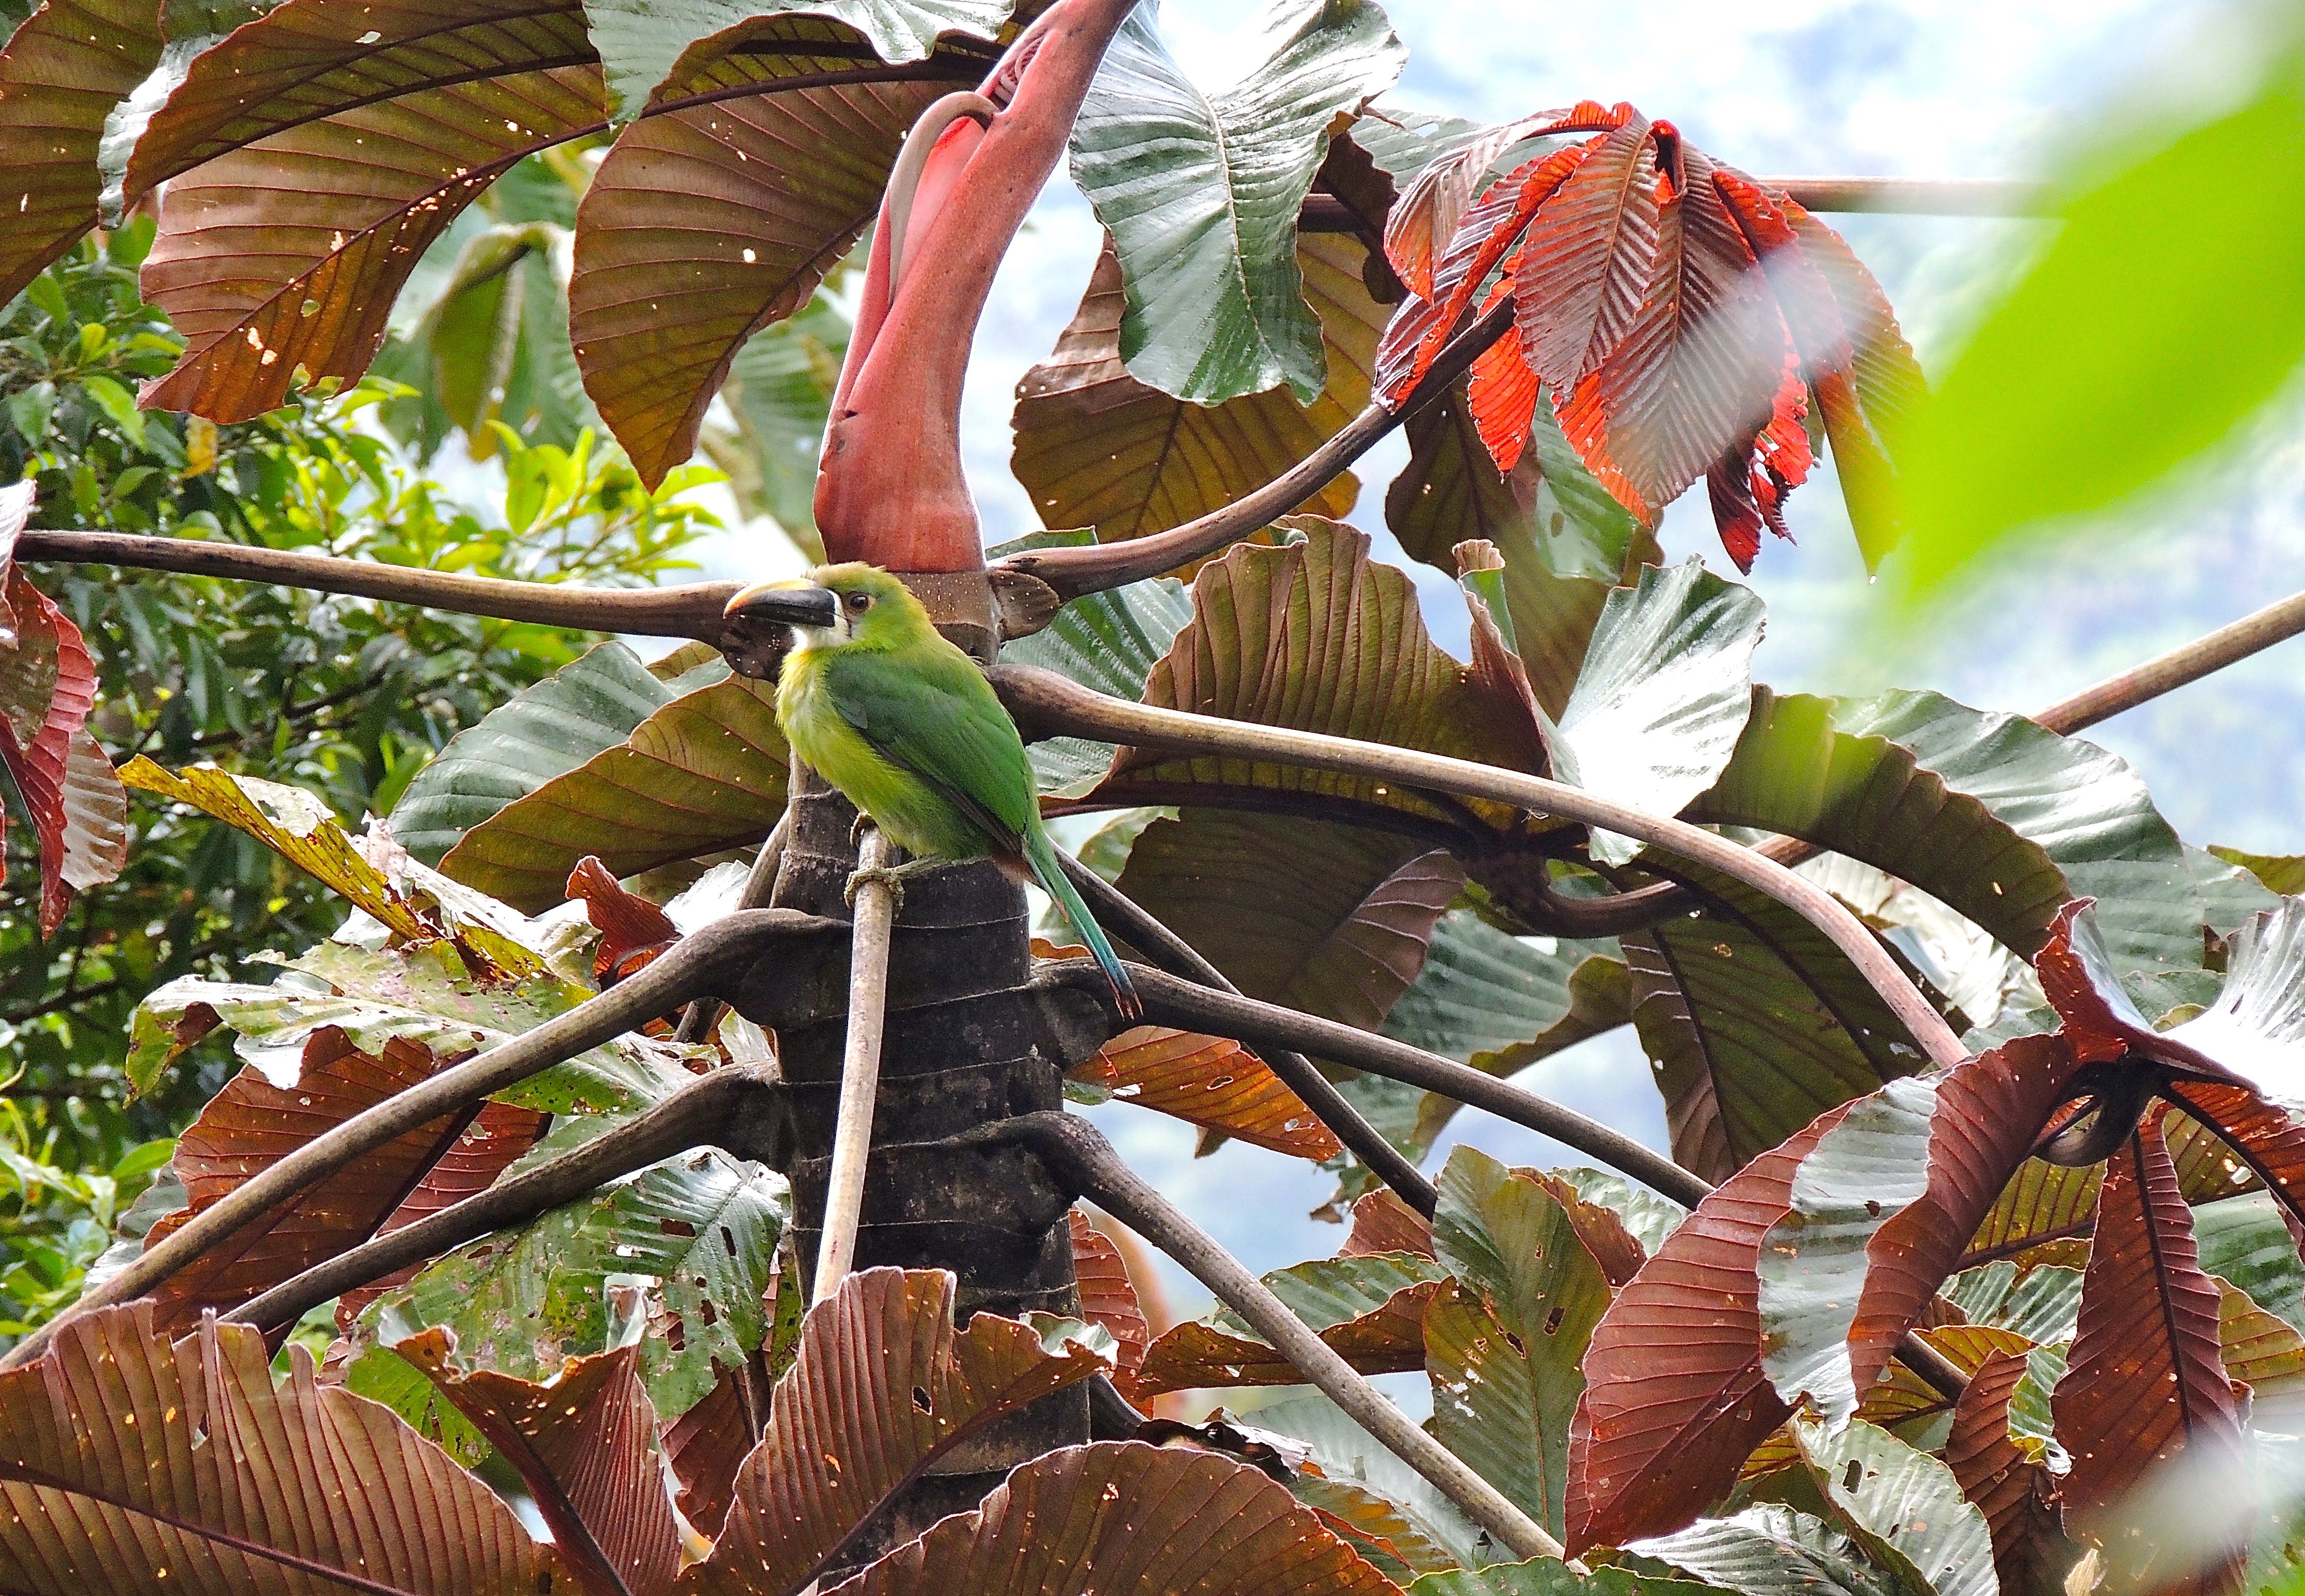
(785, 606)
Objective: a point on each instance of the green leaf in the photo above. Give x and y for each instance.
(1109, 641)
(2284, 875)
(1348, 1453)
(382, 1375)
(1666, 687)
(1649, 1218)
(2042, 1306)
(702, 773)
(1201, 193)
(1903, 1508)
(1768, 1551)
(640, 40)
(1501, 1003)
(1547, 1577)
(2169, 307)
(780, 390)
(2242, 1240)
(701, 1228)
(1503, 1348)
(2001, 820)
(584, 709)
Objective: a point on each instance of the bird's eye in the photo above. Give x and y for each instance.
(858, 603)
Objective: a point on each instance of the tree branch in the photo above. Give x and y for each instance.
(690, 1117)
(689, 610)
(1052, 705)
(1136, 924)
(860, 1062)
(1086, 1161)
(696, 964)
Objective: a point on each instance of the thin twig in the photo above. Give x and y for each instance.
(1053, 704)
(684, 1120)
(1079, 1155)
(698, 964)
(1136, 924)
(860, 1063)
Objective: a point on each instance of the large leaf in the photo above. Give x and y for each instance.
(2000, 819)
(377, 121)
(1769, 1550)
(2285, 874)
(1666, 689)
(581, 709)
(1328, 918)
(700, 1229)
(585, 1445)
(252, 1124)
(1903, 1507)
(62, 778)
(1503, 1349)
(2005, 1474)
(1501, 1003)
(1211, 1081)
(711, 220)
(2145, 1381)
(1547, 1577)
(1201, 193)
(1315, 636)
(499, 1135)
(1361, 1486)
(126, 1460)
(1370, 1309)
(2129, 347)
(64, 68)
(1125, 1517)
(1097, 447)
(702, 773)
(1108, 1297)
(882, 1387)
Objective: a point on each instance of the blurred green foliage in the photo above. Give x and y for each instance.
(343, 696)
(2167, 309)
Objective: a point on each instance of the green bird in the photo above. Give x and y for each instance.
(882, 706)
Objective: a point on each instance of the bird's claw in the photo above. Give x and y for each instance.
(890, 875)
(857, 830)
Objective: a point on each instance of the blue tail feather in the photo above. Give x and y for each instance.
(1041, 854)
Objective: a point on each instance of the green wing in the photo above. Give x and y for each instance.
(932, 712)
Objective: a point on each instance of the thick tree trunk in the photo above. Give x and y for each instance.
(959, 1053)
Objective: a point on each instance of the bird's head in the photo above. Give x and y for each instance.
(838, 606)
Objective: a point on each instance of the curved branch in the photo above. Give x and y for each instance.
(686, 1119)
(695, 966)
(691, 609)
(1085, 1161)
(1052, 703)
(1094, 567)
(1137, 924)
(1169, 1000)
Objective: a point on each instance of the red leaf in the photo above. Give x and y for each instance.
(252, 1124)
(632, 931)
(1387, 1339)
(2145, 1382)
(1212, 1081)
(1586, 262)
(1384, 1223)
(1675, 1398)
(586, 1447)
(2009, 1486)
(1502, 393)
(1108, 1297)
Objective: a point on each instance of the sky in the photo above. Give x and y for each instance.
(1802, 88)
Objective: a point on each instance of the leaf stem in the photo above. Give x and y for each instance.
(1053, 703)
(1137, 925)
(860, 1062)
(695, 966)
(1086, 1161)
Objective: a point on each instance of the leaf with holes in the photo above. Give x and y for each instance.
(126, 1453)
(1328, 918)
(1097, 448)
(585, 1445)
(882, 1387)
(701, 1230)
(2004, 1475)
(763, 159)
(1370, 1309)
(1266, 622)
(1108, 1297)
(1769, 1550)
(704, 772)
(1209, 1082)
(1903, 1506)
(1201, 193)
(1503, 1348)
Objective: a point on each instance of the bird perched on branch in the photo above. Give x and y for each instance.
(882, 705)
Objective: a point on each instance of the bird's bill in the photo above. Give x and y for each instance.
(790, 603)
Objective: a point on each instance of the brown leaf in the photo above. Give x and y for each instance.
(2006, 1478)
(705, 224)
(1096, 447)
(1127, 1516)
(632, 931)
(250, 1125)
(1387, 1339)
(333, 144)
(128, 1460)
(585, 1445)
(64, 68)
(1108, 1297)
(1384, 1223)
(1212, 1081)
(882, 1387)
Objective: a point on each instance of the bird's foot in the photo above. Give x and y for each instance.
(890, 875)
(857, 830)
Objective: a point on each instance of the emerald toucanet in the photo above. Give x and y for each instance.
(878, 702)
